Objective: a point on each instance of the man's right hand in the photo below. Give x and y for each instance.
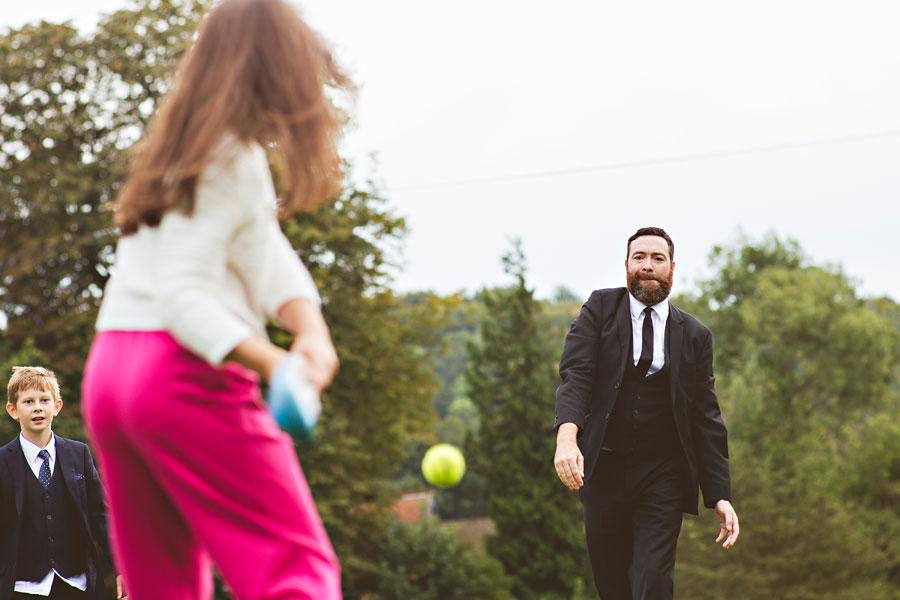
(569, 461)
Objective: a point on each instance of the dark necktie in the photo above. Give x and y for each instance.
(44, 473)
(646, 343)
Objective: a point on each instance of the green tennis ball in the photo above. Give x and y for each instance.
(443, 465)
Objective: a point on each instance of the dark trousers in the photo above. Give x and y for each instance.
(60, 591)
(632, 517)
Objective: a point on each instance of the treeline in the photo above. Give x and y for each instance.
(807, 370)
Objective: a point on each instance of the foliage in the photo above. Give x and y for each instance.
(810, 371)
(381, 399)
(562, 294)
(511, 379)
(456, 415)
(451, 366)
(426, 563)
(71, 105)
(460, 417)
(737, 271)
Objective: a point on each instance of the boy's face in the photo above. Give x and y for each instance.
(34, 410)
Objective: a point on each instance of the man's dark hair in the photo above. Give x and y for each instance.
(657, 231)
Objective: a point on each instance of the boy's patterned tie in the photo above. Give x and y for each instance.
(44, 473)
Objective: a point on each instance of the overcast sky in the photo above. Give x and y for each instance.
(642, 109)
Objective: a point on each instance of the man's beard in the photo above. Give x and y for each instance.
(653, 294)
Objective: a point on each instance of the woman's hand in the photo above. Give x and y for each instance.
(321, 357)
(312, 340)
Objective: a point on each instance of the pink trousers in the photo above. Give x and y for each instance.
(197, 474)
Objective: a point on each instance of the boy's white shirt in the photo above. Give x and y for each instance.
(31, 454)
(210, 278)
(42, 588)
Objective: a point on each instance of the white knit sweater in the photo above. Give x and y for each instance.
(211, 278)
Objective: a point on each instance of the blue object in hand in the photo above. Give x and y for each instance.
(293, 401)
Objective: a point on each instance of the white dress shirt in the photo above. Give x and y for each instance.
(42, 587)
(660, 313)
(210, 278)
(31, 454)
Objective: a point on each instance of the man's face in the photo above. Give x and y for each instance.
(34, 410)
(648, 269)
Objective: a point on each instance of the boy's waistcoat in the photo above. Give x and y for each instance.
(50, 535)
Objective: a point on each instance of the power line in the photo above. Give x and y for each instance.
(652, 162)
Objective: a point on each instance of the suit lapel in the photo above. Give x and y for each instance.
(623, 317)
(674, 341)
(66, 463)
(69, 463)
(15, 462)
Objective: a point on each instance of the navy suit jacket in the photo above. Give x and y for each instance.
(82, 483)
(592, 368)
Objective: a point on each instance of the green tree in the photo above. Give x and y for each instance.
(738, 269)
(810, 371)
(869, 476)
(71, 105)
(380, 400)
(564, 294)
(456, 415)
(512, 380)
(450, 369)
(425, 562)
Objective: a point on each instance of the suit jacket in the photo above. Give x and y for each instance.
(592, 368)
(83, 486)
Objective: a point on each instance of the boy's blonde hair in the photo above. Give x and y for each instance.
(31, 378)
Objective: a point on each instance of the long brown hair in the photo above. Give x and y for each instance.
(257, 70)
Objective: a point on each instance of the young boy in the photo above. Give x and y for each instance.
(51, 507)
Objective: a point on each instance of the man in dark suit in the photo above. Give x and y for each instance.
(52, 513)
(639, 427)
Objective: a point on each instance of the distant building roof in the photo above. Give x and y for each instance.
(414, 507)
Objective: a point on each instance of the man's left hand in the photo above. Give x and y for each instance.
(728, 520)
